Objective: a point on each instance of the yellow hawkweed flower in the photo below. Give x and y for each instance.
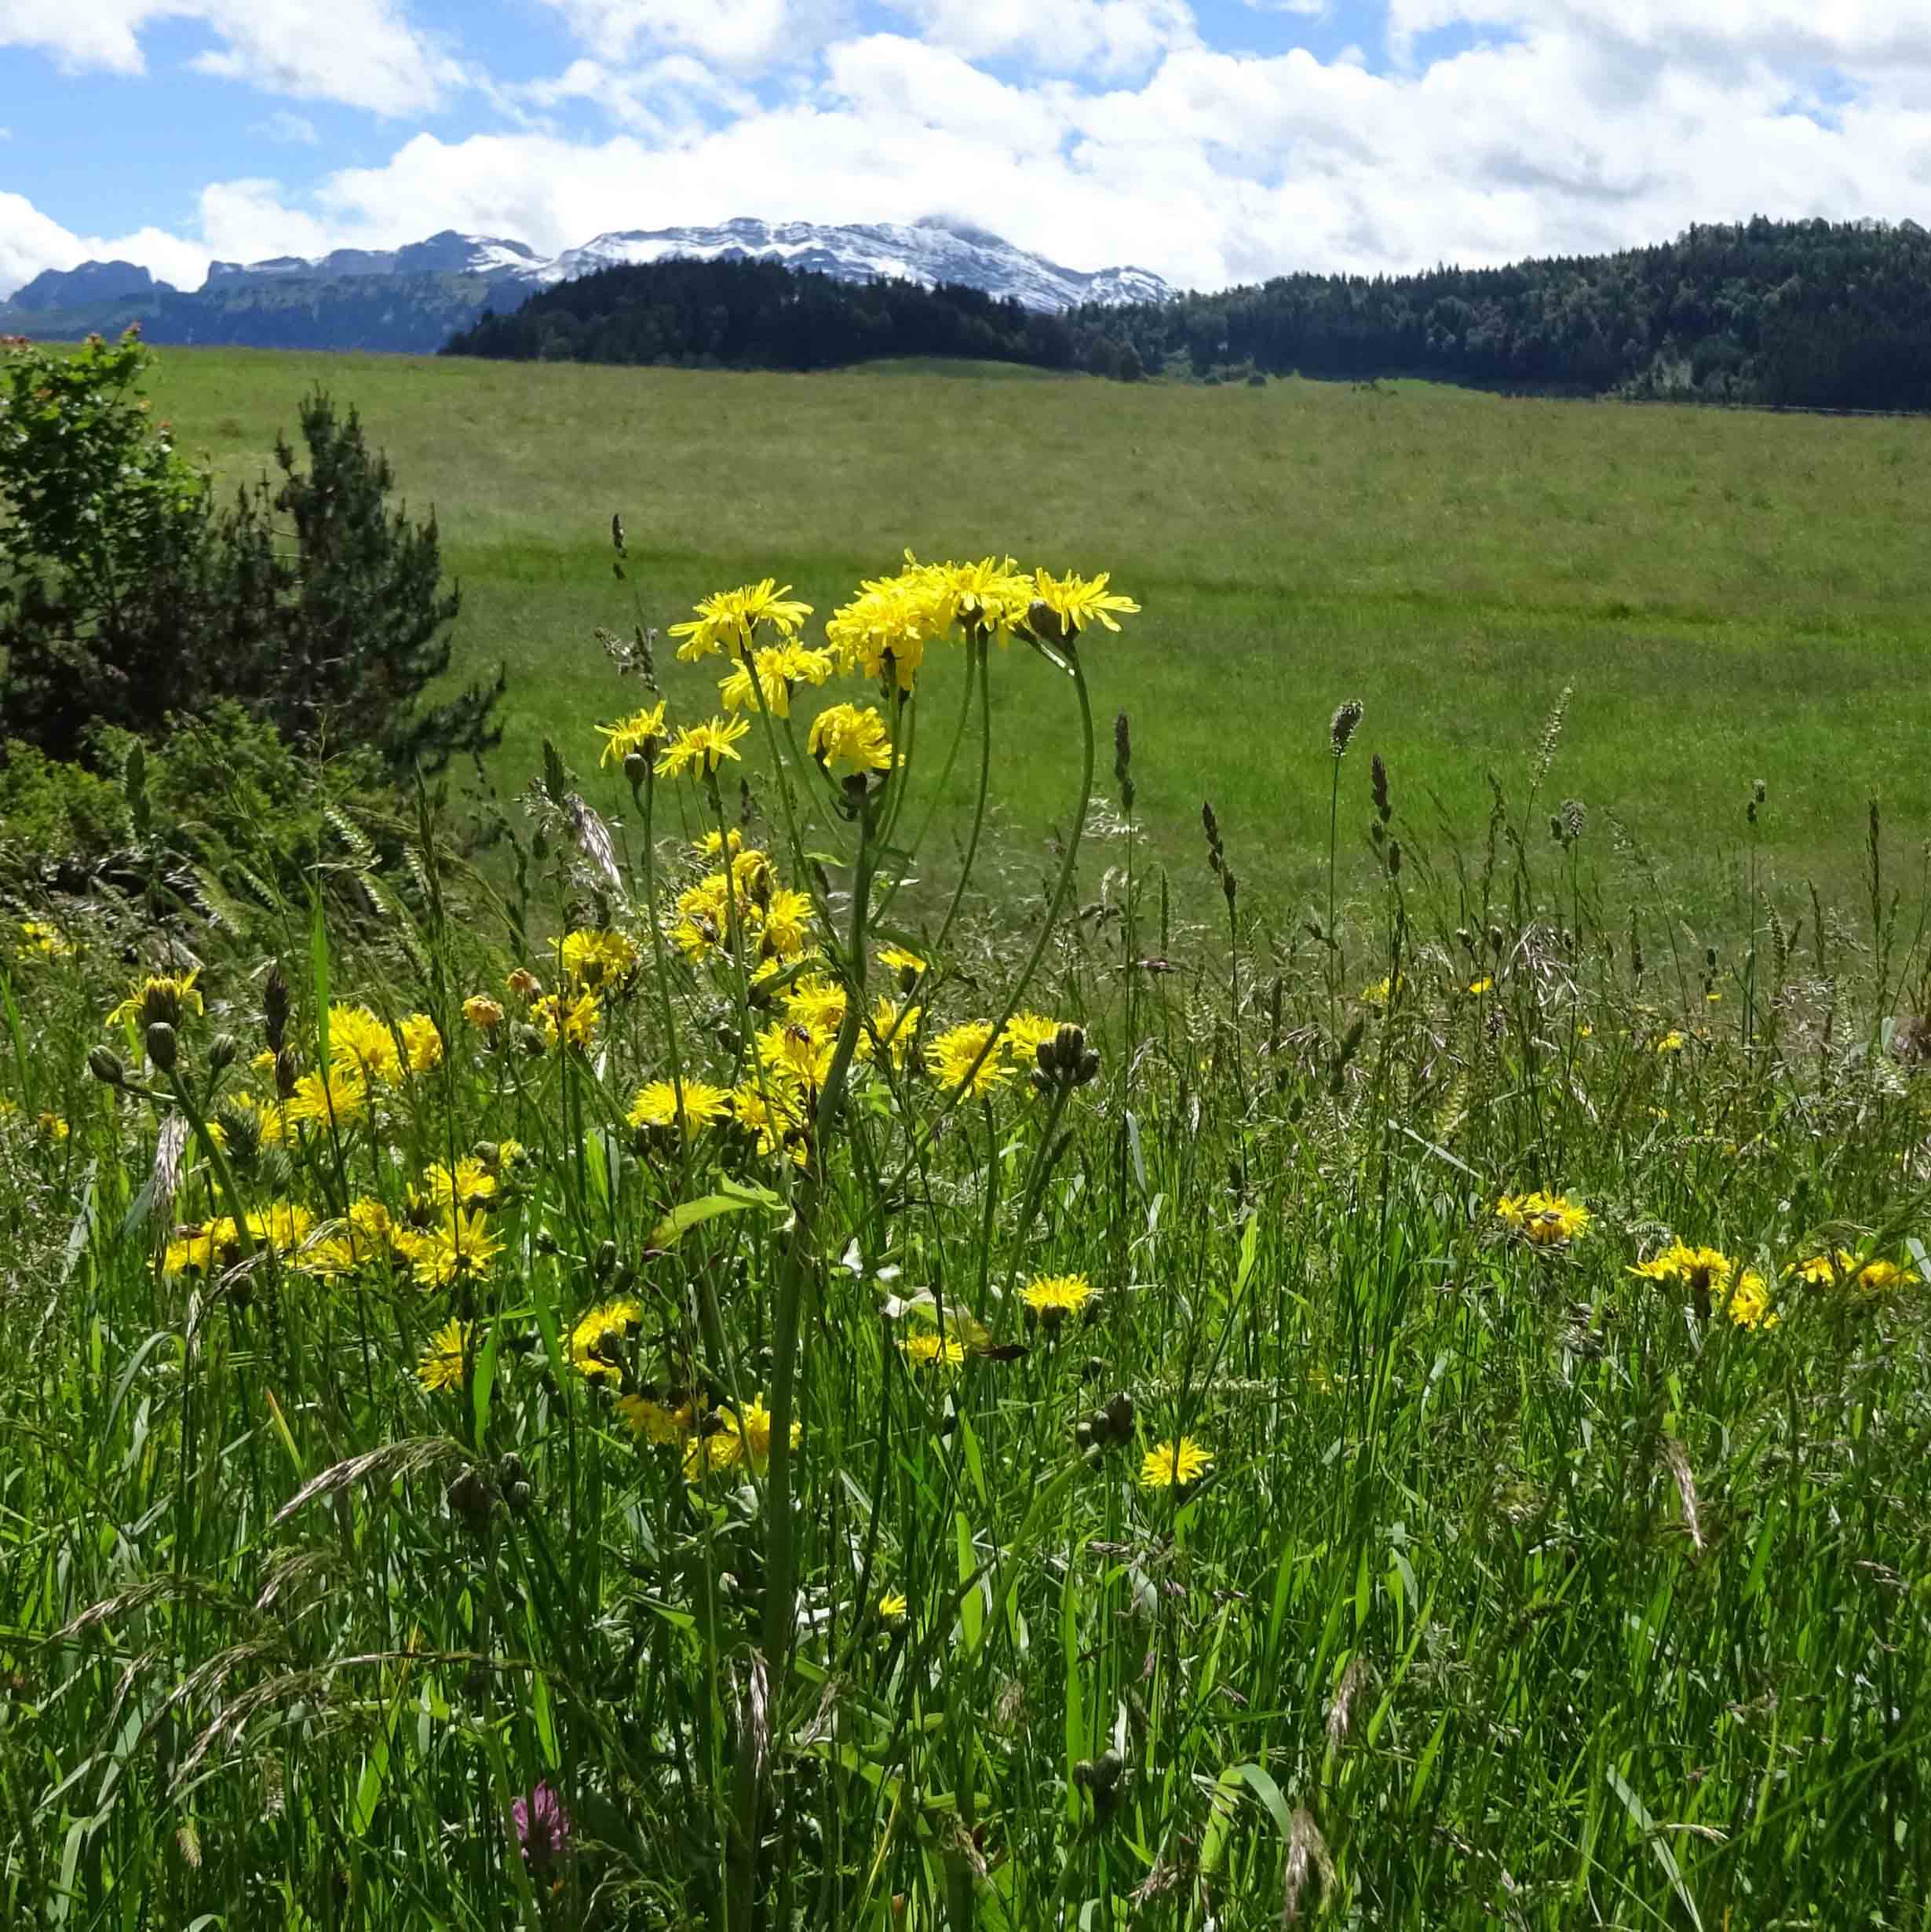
(1483, 984)
(787, 924)
(1050, 1298)
(459, 1248)
(792, 1050)
(641, 731)
(1025, 1034)
(896, 959)
(1174, 1465)
(336, 1097)
(594, 1339)
(1547, 1220)
(950, 1057)
(48, 940)
(1077, 602)
(726, 619)
(52, 1128)
(1672, 1041)
(469, 1185)
(779, 666)
(883, 632)
(816, 1002)
(360, 1039)
(1716, 1281)
(421, 1043)
(850, 739)
(656, 1105)
(1382, 991)
(483, 1013)
(927, 1349)
(893, 1026)
(442, 1363)
(992, 595)
(656, 1422)
(597, 960)
(162, 996)
(698, 747)
(892, 1607)
(576, 1022)
(1844, 1270)
(778, 1121)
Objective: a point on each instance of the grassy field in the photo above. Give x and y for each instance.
(1731, 595)
(675, 1413)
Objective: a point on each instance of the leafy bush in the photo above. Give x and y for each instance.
(125, 600)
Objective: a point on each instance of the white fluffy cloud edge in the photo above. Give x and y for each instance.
(1554, 127)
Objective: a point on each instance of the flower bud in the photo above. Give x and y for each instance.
(161, 1045)
(223, 1050)
(105, 1065)
(637, 768)
(1088, 1069)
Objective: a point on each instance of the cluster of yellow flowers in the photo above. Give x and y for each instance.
(1719, 1284)
(1545, 1220)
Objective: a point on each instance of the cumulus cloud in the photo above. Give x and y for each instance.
(1105, 37)
(738, 34)
(365, 53)
(30, 241)
(1563, 130)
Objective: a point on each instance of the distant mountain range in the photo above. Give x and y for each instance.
(413, 299)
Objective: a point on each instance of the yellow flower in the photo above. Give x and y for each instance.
(883, 632)
(459, 1248)
(470, 1185)
(778, 1122)
(657, 1422)
(576, 1023)
(779, 666)
(892, 1607)
(795, 1051)
(48, 940)
(597, 960)
(1671, 1042)
(816, 1002)
(594, 1339)
(733, 1440)
(359, 1040)
(848, 738)
(787, 924)
(726, 619)
(442, 1363)
(698, 747)
(1174, 1465)
(894, 1026)
(1844, 1270)
(992, 595)
(1077, 601)
(1484, 984)
(927, 1349)
(641, 732)
(422, 1043)
(1715, 1280)
(52, 1128)
(1547, 1220)
(1382, 991)
(950, 1057)
(896, 959)
(1025, 1034)
(656, 1105)
(1050, 1298)
(162, 996)
(334, 1098)
(483, 1013)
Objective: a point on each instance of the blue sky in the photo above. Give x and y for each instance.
(1210, 140)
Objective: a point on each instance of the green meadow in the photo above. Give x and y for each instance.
(1729, 595)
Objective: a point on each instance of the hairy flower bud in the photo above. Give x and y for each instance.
(161, 1045)
(105, 1065)
(223, 1050)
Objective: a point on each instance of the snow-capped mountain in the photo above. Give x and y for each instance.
(929, 251)
(414, 298)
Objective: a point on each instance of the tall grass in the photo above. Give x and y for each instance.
(1517, 1588)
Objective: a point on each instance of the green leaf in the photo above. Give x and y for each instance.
(732, 1197)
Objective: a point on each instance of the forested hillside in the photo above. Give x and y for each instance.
(1835, 315)
(761, 315)
(1829, 315)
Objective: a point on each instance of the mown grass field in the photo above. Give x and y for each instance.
(1731, 595)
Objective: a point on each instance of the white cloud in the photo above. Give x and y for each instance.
(742, 34)
(30, 241)
(1566, 137)
(296, 128)
(364, 53)
(1104, 37)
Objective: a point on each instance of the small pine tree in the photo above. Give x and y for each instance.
(346, 634)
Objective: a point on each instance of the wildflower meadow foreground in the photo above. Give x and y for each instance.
(759, 1367)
